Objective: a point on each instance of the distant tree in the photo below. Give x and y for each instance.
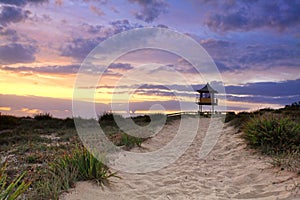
(293, 105)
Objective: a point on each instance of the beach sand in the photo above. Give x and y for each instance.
(230, 171)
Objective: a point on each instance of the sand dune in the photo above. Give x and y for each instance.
(230, 171)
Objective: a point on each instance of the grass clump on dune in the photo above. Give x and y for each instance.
(272, 133)
(46, 148)
(129, 141)
(14, 189)
(276, 135)
(65, 171)
(87, 165)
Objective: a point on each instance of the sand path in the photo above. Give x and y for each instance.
(230, 171)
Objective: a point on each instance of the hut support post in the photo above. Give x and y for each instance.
(200, 108)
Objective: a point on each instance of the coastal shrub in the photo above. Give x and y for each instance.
(272, 133)
(7, 121)
(143, 120)
(12, 190)
(43, 116)
(129, 141)
(155, 119)
(239, 120)
(230, 116)
(263, 111)
(69, 123)
(109, 117)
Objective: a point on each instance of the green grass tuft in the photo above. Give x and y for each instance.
(272, 133)
(88, 166)
(130, 141)
(62, 174)
(14, 189)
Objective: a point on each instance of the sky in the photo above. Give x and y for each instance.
(255, 45)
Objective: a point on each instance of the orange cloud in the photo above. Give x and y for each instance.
(4, 108)
(30, 111)
(96, 10)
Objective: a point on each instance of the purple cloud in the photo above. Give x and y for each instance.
(214, 43)
(281, 100)
(78, 48)
(151, 9)
(238, 55)
(245, 16)
(21, 2)
(67, 69)
(119, 26)
(10, 14)
(269, 55)
(9, 34)
(121, 66)
(222, 67)
(17, 53)
(269, 89)
(92, 29)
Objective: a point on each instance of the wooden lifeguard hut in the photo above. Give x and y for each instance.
(206, 96)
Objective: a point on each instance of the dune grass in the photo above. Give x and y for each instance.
(13, 189)
(51, 153)
(65, 171)
(54, 165)
(275, 133)
(272, 133)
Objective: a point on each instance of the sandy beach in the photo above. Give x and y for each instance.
(230, 171)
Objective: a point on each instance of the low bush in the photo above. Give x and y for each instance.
(7, 121)
(130, 141)
(43, 116)
(239, 119)
(144, 120)
(230, 116)
(109, 117)
(272, 133)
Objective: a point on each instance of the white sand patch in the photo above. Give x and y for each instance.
(230, 171)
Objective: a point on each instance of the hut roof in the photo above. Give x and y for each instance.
(207, 89)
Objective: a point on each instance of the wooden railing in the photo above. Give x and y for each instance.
(197, 113)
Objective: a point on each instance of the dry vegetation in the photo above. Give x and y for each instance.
(43, 156)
